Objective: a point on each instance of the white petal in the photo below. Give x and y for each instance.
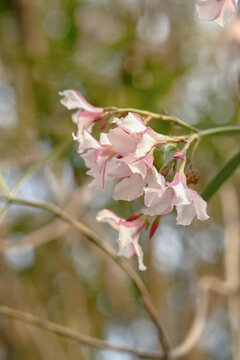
(185, 214)
(109, 217)
(200, 205)
(162, 205)
(132, 123)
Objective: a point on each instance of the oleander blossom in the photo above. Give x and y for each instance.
(161, 197)
(128, 234)
(86, 115)
(124, 153)
(216, 9)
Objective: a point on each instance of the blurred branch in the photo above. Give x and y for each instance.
(72, 334)
(230, 210)
(205, 284)
(31, 171)
(94, 238)
(3, 185)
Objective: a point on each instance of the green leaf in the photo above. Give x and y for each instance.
(221, 177)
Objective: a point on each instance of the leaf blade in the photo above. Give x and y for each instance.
(221, 177)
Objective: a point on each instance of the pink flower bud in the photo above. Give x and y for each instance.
(178, 155)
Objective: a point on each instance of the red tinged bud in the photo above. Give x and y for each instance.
(103, 126)
(178, 155)
(154, 226)
(133, 217)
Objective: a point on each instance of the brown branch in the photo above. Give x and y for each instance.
(205, 285)
(94, 238)
(230, 211)
(72, 334)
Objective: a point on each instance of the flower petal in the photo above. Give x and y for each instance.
(209, 9)
(129, 188)
(109, 217)
(200, 205)
(132, 123)
(122, 142)
(185, 214)
(160, 206)
(75, 100)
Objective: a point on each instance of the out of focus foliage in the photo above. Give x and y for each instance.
(150, 54)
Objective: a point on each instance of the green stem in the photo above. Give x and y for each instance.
(221, 130)
(163, 117)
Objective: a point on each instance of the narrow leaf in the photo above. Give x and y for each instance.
(221, 177)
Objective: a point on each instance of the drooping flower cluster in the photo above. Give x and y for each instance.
(125, 152)
(216, 9)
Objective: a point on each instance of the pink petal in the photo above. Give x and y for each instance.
(74, 100)
(149, 140)
(155, 179)
(129, 188)
(209, 9)
(122, 142)
(228, 10)
(178, 185)
(86, 141)
(132, 123)
(160, 206)
(118, 169)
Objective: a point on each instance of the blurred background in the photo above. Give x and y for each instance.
(153, 55)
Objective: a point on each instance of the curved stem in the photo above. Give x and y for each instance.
(163, 117)
(94, 238)
(72, 334)
(221, 130)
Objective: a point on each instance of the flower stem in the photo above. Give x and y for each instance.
(221, 130)
(163, 117)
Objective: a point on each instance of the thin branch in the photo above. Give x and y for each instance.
(72, 334)
(205, 284)
(230, 211)
(94, 238)
(164, 117)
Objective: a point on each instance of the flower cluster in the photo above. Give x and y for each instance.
(125, 152)
(216, 9)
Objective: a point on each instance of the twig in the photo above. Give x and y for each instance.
(94, 238)
(163, 117)
(205, 284)
(72, 334)
(230, 210)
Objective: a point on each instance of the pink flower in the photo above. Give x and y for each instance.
(87, 115)
(213, 9)
(146, 137)
(128, 236)
(161, 197)
(135, 173)
(97, 157)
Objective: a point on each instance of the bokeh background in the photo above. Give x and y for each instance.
(150, 54)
